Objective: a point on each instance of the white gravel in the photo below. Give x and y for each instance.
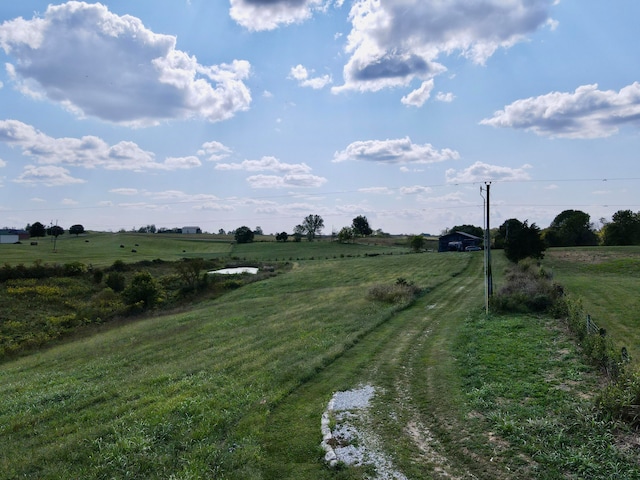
(351, 444)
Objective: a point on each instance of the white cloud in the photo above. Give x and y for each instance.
(215, 150)
(114, 68)
(415, 189)
(269, 164)
(49, 176)
(2, 163)
(175, 163)
(420, 95)
(286, 181)
(88, 151)
(483, 172)
(301, 74)
(259, 15)
(125, 191)
(585, 113)
(394, 41)
(445, 97)
(376, 190)
(396, 151)
(69, 201)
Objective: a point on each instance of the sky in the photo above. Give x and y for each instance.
(258, 113)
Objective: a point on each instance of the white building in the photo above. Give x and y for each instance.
(188, 230)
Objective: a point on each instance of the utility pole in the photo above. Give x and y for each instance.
(488, 285)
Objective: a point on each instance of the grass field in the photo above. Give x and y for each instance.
(608, 281)
(235, 387)
(102, 249)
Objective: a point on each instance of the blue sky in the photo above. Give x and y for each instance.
(260, 112)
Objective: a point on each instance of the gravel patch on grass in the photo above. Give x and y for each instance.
(348, 437)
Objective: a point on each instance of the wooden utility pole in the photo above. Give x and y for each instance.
(488, 276)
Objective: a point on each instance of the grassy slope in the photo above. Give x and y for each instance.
(188, 394)
(235, 388)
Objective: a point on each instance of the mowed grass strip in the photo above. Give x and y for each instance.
(188, 395)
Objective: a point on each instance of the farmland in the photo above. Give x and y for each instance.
(235, 385)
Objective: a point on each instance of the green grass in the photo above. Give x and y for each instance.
(608, 281)
(188, 394)
(318, 250)
(102, 249)
(235, 387)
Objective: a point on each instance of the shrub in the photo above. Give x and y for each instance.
(74, 269)
(116, 281)
(119, 266)
(400, 292)
(620, 400)
(528, 288)
(143, 291)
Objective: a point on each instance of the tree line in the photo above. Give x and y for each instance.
(570, 228)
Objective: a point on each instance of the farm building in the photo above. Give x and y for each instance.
(12, 235)
(188, 230)
(458, 242)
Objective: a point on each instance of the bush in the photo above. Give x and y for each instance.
(620, 400)
(528, 288)
(116, 281)
(143, 292)
(400, 292)
(74, 269)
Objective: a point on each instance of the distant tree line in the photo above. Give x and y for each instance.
(570, 228)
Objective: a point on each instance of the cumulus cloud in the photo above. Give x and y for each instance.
(48, 175)
(396, 151)
(301, 74)
(100, 64)
(215, 151)
(393, 42)
(289, 174)
(87, 151)
(420, 95)
(286, 181)
(415, 189)
(483, 172)
(585, 113)
(259, 15)
(445, 97)
(2, 163)
(270, 164)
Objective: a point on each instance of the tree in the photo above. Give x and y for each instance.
(244, 235)
(37, 230)
(282, 237)
(360, 226)
(470, 229)
(221, 232)
(417, 242)
(189, 272)
(298, 233)
(143, 291)
(521, 240)
(313, 225)
(55, 231)
(76, 230)
(569, 229)
(345, 235)
(258, 231)
(624, 229)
